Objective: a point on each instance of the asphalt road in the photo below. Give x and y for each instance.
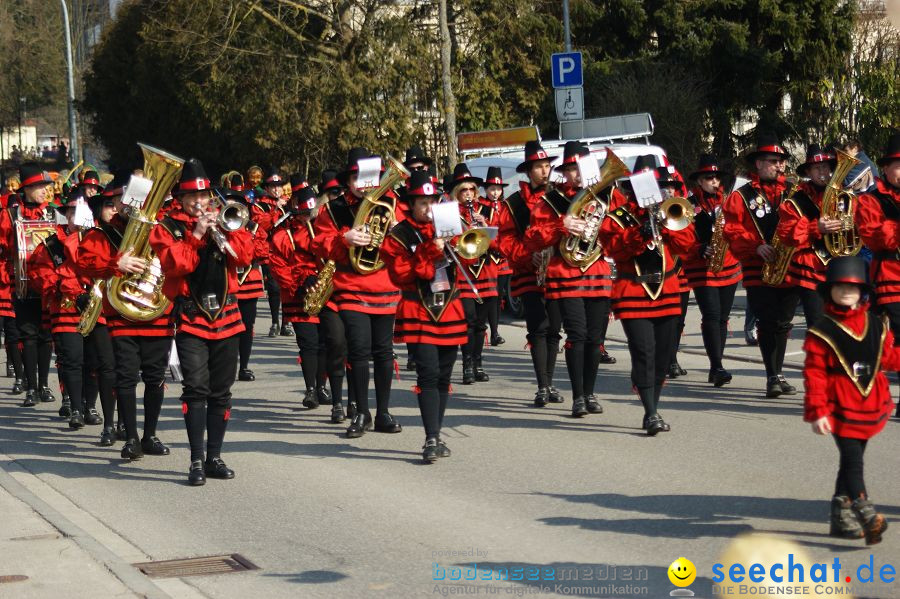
(324, 516)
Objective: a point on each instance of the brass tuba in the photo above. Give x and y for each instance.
(376, 217)
(583, 250)
(139, 297)
(839, 204)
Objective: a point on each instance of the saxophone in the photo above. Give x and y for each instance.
(717, 242)
(773, 272)
(318, 294)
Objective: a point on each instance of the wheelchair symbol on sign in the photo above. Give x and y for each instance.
(570, 104)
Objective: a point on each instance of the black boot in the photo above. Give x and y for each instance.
(30, 399)
(720, 377)
(385, 423)
(351, 409)
(10, 370)
(245, 374)
(196, 475)
(132, 450)
(153, 446)
(443, 450)
(786, 387)
(430, 451)
(337, 413)
(310, 401)
(579, 407)
(542, 397)
(468, 371)
(323, 395)
(216, 468)
(554, 395)
(107, 437)
(873, 523)
(844, 524)
(47, 395)
(18, 387)
(773, 387)
(593, 404)
(674, 371)
(65, 410)
(497, 340)
(480, 375)
(76, 421)
(92, 417)
(358, 427)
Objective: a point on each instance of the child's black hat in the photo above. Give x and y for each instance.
(845, 269)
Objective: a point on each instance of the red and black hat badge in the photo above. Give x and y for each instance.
(193, 178)
(533, 152)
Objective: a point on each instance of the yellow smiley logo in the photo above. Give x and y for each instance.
(682, 572)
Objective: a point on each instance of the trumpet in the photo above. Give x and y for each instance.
(232, 216)
(470, 245)
(674, 214)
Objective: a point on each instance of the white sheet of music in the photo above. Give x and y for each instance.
(137, 191)
(646, 189)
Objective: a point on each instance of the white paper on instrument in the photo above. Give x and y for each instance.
(60, 219)
(137, 191)
(84, 218)
(445, 217)
(589, 169)
(646, 189)
(369, 172)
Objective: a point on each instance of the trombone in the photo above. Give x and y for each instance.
(233, 215)
(470, 245)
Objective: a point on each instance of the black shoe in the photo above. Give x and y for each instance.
(18, 387)
(786, 387)
(385, 423)
(593, 405)
(107, 437)
(10, 370)
(443, 450)
(750, 337)
(468, 372)
(93, 417)
(245, 374)
(323, 395)
(720, 377)
(47, 395)
(310, 401)
(153, 446)
(132, 450)
(542, 397)
(579, 409)
(430, 451)
(287, 330)
(644, 422)
(76, 421)
(605, 358)
(273, 332)
(411, 365)
(480, 375)
(216, 468)
(337, 414)
(351, 410)
(681, 371)
(655, 424)
(65, 410)
(30, 399)
(674, 371)
(773, 387)
(357, 427)
(121, 435)
(196, 476)
(497, 340)
(555, 396)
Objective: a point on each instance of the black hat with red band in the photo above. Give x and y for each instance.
(304, 198)
(533, 153)
(708, 165)
(767, 144)
(329, 181)
(891, 150)
(353, 158)
(848, 270)
(414, 155)
(298, 182)
(90, 177)
(236, 182)
(816, 154)
(273, 177)
(494, 177)
(571, 152)
(32, 174)
(462, 174)
(117, 186)
(193, 178)
(420, 184)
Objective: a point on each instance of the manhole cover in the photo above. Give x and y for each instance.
(197, 566)
(12, 578)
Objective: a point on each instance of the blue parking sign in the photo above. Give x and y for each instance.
(566, 69)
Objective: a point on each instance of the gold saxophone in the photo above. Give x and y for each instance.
(317, 295)
(839, 204)
(718, 243)
(773, 272)
(376, 217)
(91, 313)
(139, 297)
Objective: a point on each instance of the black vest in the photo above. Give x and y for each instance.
(342, 214)
(520, 212)
(808, 209)
(210, 278)
(434, 302)
(754, 201)
(56, 249)
(112, 234)
(859, 357)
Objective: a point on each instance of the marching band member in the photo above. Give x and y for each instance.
(582, 294)
(30, 203)
(646, 294)
(201, 276)
(366, 303)
(542, 320)
(140, 347)
(14, 366)
(493, 194)
(751, 217)
(430, 317)
(482, 272)
(265, 211)
(713, 290)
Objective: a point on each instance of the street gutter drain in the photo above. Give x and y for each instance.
(197, 566)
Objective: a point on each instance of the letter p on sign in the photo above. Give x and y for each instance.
(566, 69)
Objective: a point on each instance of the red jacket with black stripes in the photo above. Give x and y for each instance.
(512, 243)
(252, 285)
(372, 293)
(798, 231)
(486, 278)
(265, 212)
(881, 234)
(178, 258)
(291, 263)
(696, 267)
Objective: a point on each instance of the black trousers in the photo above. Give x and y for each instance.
(679, 331)
(370, 338)
(850, 480)
(476, 324)
(774, 309)
(13, 351)
(273, 292)
(209, 368)
(145, 359)
(87, 367)
(35, 340)
(585, 321)
(813, 305)
(248, 317)
(313, 353)
(651, 345)
(434, 366)
(331, 333)
(493, 304)
(715, 307)
(543, 322)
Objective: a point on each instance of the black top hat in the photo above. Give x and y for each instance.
(329, 181)
(891, 150)
(298, 182)
(416, 154)
(665, 179)
(708, 165)
(352, 166)
(304, 198)
(32, 174)
(90, 177)
(644, 162)
(814, 155)
(845, 269)
(69, 199)
(420, 183)
(236, 182)
(461, 174)
(767, 144)
(571, 151)
(273, 177)
(193, 178)
(118, 184)
(494, 177)
(533, 153)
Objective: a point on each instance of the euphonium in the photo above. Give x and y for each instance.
(582, 250)
(773, 272)
(317, 295)
(375, 217)
(91, 313)
(139, 297)
(717, 242)
(839, 204)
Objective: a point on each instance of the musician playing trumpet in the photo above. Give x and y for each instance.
(200, 277)
(581, 293)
